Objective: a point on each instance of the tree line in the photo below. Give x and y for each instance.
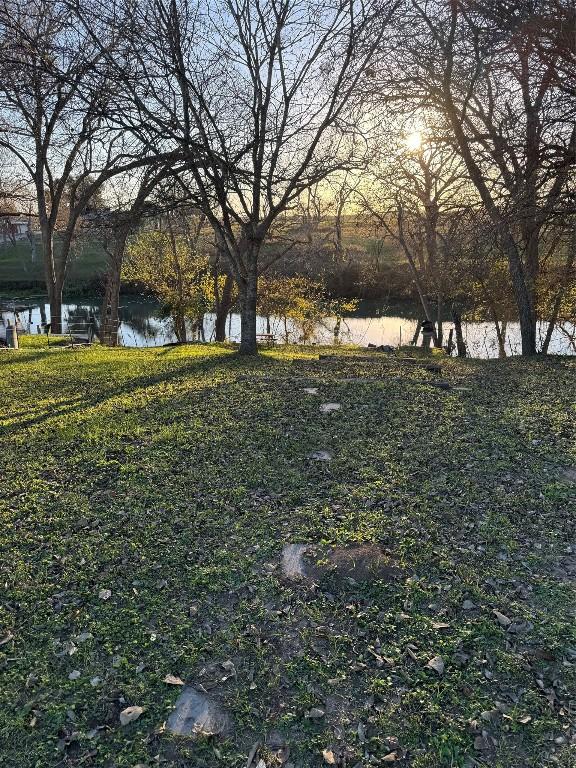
(448, 126)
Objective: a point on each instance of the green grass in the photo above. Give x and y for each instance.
(21, 264)
(174, 476)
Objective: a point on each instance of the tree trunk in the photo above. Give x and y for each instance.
(501, 341)
(198, 329)
(53, 283)
(522, 292)
(55, 298)
(109, 314)
(248, 298)
(503, 327)
(421, 292)
(564, 283)
(460, 345)
(180, 327)
(223, 307)
(439, 330)
(524, 299)
(450, 345)
(337, 330)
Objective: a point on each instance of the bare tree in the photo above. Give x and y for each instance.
(416, 195)
(266, 89)
(496, 75)
(131, 201)
(54, 97)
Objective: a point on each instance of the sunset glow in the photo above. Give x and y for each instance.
(414, 141)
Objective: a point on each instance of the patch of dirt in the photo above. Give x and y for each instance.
(362, 562)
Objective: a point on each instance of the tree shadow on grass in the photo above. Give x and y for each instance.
(179, 370)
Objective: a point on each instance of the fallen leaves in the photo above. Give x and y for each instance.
(130, 714)
(329, 757)
(437, 665)
(320, 456)
(502, 619)
(173, 680)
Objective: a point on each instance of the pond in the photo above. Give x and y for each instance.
(373, 323)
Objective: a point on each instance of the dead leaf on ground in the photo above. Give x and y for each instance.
(437, 664)
(130, 714)
(502, 619)
(228, 666)
(440, 625)
(329, 757)
(173, 680)
(329, 407)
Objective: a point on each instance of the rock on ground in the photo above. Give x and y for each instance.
(320, 456)
(197, 715)
(292, 561)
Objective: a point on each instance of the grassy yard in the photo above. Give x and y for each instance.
(145, 500)
(20, 263)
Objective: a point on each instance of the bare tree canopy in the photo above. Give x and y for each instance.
(57, 96)
(496, 79)
(260, 96)
(253, 112)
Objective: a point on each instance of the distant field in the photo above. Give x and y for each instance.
(367, 264)
(22, 263)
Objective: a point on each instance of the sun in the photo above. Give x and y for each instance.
(414, 141)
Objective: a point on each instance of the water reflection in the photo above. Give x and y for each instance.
(373, 323)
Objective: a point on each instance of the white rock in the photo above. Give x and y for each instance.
(329, 407)
(503, 620)
(293, 566)
(130, 714)
(197, 715)
(320, 456)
